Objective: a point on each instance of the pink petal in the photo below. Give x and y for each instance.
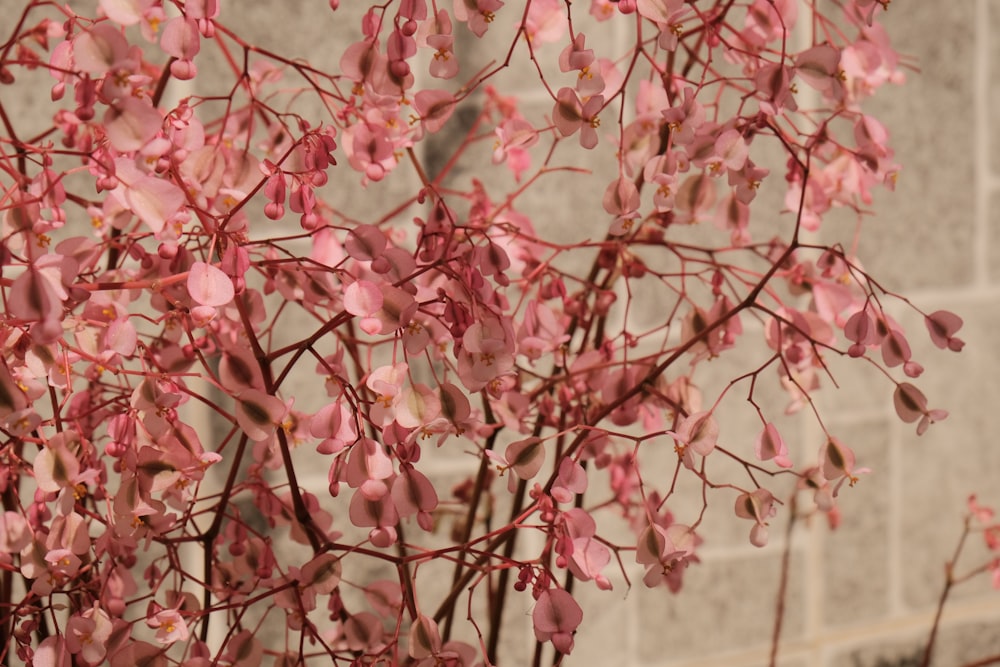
(322, 573)
(55, 468)
(525, 457)
(362, 298)
(910, 402)
(125, 12)
(699, 431)
(96, 50)
(434, 108)
(658, 11)
(154, 200)
(769, 445)
(258, 414)
(131, 123)
(942, 325)
(121, 337)
(412, 492)
(555, 612)
(895, 349)
(425, 640)
(181, 38)
(209, 286)
(365, 242)
(818, 64)
(621, 197)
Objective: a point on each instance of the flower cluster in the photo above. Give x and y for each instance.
(195, 329)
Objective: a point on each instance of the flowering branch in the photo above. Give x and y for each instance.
(240, 354)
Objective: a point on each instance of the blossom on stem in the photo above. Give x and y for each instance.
(477, 14)
(181, 40)
(571, 114)
(666, 551)
(911, 405)
(758, 506)
(555, 618)
(170, 626)
(514, 137)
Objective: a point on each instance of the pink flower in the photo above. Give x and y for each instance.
(182, 41)
(820, 68)
(911, 405)
(170, 626)
(370, 148)
(758, 506)
(413, 494)
(699, 432)
(571, 114)
(686, 119)
(514, 137)
(100, 49)
(425, 640)
(444, 63)
(125, 12)
(87, 634)
(556, 617)
(621, 199)
(259, 414)
(372, 506)
(546, 21)
(773, 82)
(667, 15)
(942, 326)
(666, 551)
(433, 107)
(487, 354)
(770, 446)
(478, 14)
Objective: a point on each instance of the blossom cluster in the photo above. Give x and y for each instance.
(164, 260)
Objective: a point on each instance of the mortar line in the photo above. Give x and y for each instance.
(982, 176)
(894, 542)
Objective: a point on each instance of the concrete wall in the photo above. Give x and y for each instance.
(863, 595)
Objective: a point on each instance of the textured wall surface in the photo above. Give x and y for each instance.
(863, 595)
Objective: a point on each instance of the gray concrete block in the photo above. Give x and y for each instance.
(609, 620)
(725, 604)
(887, 652)
(860, 391)
(957, 644)
(992, 93)
(855, 565)
(922, 235)
(954, 458)
(993, 237)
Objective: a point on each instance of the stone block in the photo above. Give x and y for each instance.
(854, 579)
(725, 604)
(861, 391)
(925, 230)
(957, 644)
(609, 627)
(954, 458)
(297, 29)
(992, 93)
(993, 234)
(884, 652)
